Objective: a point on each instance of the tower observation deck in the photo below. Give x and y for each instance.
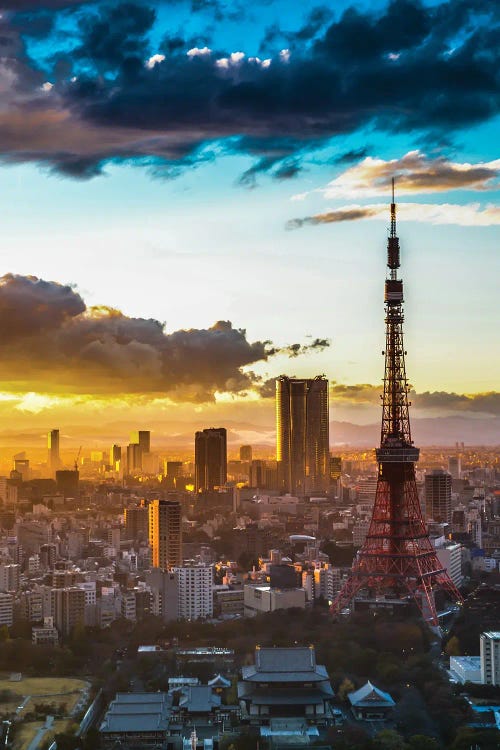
(397, 560)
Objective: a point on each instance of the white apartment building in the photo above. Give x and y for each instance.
(195, 591)
(490, 658)
(327, 582)
(450, 557)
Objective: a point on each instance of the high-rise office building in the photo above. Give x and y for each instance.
(246, 453)
(165, 533)
(115, 455)
(134, 458)
(210, 458)
(173, 469)
(438, 496)
(54, 459)
(302, 434)
(68, 606)
(455, 466)
(137, 522)
(140, 444)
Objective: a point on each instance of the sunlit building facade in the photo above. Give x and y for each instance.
(302, 434)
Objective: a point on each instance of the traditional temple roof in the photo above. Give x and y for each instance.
(219, 681)
(199, 699)
(285, 665)
(369, 696)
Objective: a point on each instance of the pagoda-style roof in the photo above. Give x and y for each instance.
(199, 699)
(285, 665)
(219, 681)
(369, 696)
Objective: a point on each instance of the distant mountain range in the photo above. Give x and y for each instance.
(172, 434)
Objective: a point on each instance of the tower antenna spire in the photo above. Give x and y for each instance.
(393, 212)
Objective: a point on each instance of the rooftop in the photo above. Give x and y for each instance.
(369, 695)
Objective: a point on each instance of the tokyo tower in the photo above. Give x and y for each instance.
(397, 559)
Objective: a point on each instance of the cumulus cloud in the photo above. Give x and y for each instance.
(485, 403)
(468, 215)
(415, 172)
(390, 68)
(52, 342)
(361, 393)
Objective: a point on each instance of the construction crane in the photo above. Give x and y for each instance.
(77, 457)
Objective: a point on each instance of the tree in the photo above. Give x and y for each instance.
(345, 687)
(4, 633)
(422, 742)
(453, 646)
(389, 739)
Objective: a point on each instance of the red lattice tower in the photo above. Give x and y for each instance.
(397, 558)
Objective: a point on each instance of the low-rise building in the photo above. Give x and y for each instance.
(259, 599)
(370, 703)
(46, 634)
(465, 668)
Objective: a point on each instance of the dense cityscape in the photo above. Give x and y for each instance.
(249, 368)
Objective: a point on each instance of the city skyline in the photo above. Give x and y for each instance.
(295, 223)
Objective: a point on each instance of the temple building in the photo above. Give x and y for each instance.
(285, 682)
(370, 703)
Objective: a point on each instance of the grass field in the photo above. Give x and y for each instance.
(58, 690)
(26, 731)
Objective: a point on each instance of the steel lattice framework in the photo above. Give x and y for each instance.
(397, 557)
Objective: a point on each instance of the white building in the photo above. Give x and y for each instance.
(195, 591)
(266, 599)
(465, 668)
(490, 658)
(6, 610)
(450, 557)
(327, 582)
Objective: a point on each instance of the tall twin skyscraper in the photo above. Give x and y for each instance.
(302, 434)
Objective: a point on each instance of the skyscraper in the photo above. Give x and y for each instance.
(165, 533)
(140, 444)
(142, 438)
(115, 455)
(302, 434)
(245, 453)
(438, 496)
(54, 459)
(455, 466)
(210, 458)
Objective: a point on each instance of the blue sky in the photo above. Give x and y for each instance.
(200, 246)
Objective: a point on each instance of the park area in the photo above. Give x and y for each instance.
(30, 700)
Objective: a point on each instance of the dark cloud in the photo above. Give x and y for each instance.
(332, 217)
(352, 155)
(409, 66)
(52, 342)
(38, 5)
